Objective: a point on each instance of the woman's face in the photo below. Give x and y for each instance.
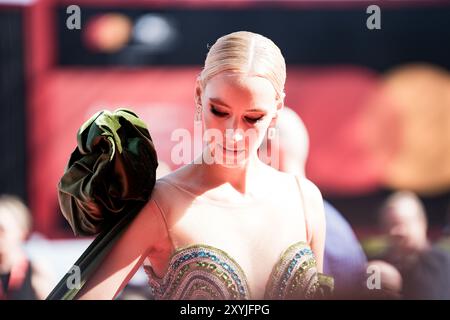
(11, 235)
(237, 111)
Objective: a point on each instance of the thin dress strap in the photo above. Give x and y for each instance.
(147, 262)
(305, 213)
(163, 215)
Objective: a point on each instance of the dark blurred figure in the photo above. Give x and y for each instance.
(19, 278)
(444, 242)
(425, 268)
(344, 258)
(390, 282)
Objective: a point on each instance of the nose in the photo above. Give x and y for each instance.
(397, 231)
(234, 134)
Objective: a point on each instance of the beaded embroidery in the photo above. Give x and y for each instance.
(204, 272)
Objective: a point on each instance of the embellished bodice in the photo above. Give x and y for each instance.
(205, 272)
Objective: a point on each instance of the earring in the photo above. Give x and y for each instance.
(271, 133)
(198, 114)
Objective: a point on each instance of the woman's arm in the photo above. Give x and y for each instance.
(315, 217)
(126, 256)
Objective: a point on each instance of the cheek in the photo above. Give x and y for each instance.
(416, 230)
(255, 137)
(7, 239)
(212, 122)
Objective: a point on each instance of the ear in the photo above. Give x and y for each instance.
(280, 102)
(198, 92)
(280, 106)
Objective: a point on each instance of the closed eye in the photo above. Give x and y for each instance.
(218, 113)
(253, 120)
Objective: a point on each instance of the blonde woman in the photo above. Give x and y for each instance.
(231, 228)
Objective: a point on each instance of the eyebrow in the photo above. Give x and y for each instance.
(218, 101)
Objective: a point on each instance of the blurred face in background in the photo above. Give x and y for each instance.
(406, 226)
(292, 147)
(11, 236)
(241, 108)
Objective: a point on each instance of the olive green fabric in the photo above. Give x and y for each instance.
(326, 286)
(108, 180)
(112, 170)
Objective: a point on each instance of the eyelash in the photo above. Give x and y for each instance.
(224, 114)
(254, 120)
(218, 113)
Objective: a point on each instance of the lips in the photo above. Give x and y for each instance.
(231, 149)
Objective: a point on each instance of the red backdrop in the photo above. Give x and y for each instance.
(331, 101)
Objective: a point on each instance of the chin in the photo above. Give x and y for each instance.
(234, 164)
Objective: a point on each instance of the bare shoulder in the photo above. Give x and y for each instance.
(174, 178)
(160, 194)
(314, 201)
(279, 178)
(315, 217)
(311, 191)
(167, 197)
(315, 212)
(150, 223)
(165, 189)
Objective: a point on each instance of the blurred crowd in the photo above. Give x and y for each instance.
(411, 267)
(20, 277)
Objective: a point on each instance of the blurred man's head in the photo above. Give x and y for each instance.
(293, 143)
(15, 224)
(403, 218)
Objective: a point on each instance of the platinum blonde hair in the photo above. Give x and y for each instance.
(247, 53)
(13, 206)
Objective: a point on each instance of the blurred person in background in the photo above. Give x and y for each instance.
(425, 268)
(344, 258)
(390, 281)
(20, 279)
(444, 241)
